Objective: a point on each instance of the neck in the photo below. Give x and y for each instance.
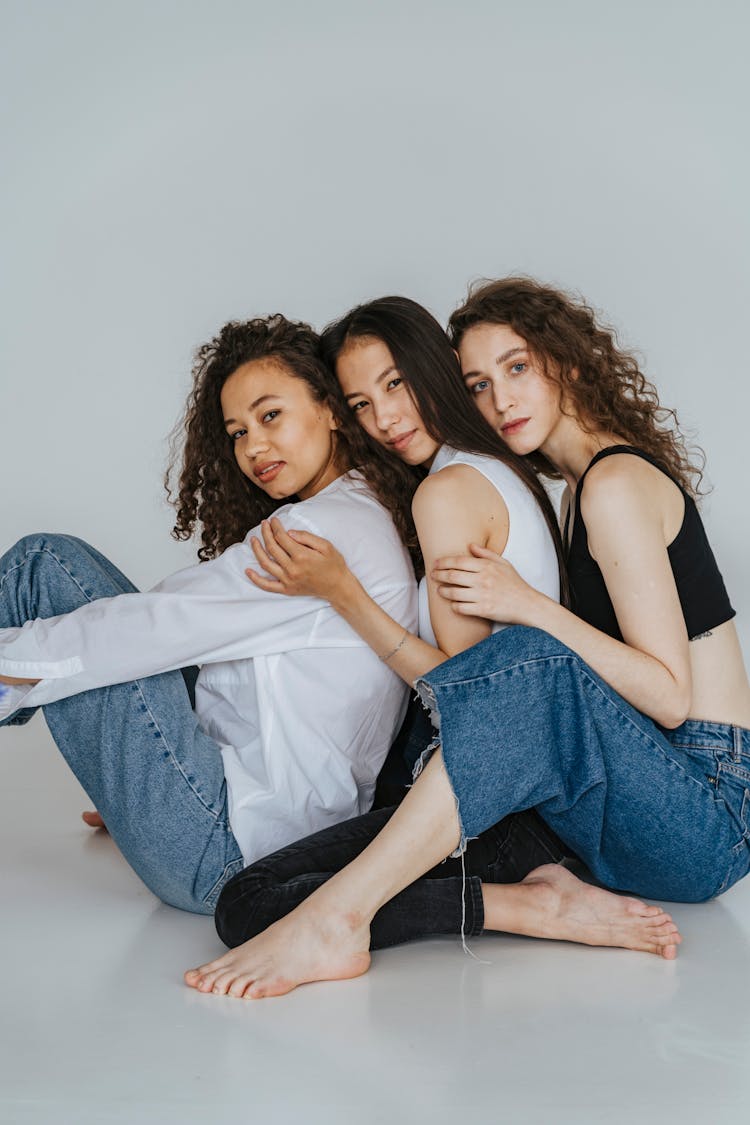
(570, 448)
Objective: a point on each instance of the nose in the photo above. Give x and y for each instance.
(502, 396)
(254, 444)
(386, 413)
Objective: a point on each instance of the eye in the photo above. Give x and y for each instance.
(396, 381)
(356, 407)
(237, 434)
(477, 388)
(270, 415)
(518, 368)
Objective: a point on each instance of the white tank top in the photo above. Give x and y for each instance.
(529, 549)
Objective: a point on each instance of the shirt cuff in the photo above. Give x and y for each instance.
(12, 697)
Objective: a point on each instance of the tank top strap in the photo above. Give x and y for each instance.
(574, 507)
(609, 452)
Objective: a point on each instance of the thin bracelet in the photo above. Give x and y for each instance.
(400, 644)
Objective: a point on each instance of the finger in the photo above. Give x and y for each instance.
(455, 577)
(270, 585)
(271, 544)
(457, 593)
(458, 562)
(313, 542)
(285, 541)
(467, 609)
(265, 559)
(484, 552)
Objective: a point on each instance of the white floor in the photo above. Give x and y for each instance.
(98, 1028)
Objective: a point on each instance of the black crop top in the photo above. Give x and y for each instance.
(703, 596)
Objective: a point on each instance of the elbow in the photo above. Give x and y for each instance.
(674, 711)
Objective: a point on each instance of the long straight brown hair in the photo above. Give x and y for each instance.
(429, 366)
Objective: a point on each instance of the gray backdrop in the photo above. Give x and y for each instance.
(171, 165)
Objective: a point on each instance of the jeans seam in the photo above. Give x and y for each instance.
(228, 873)
(474, 884)
(610, 697)
(60, 563)
(213, 813)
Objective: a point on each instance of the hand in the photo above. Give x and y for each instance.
(484, 584)
(299, 562)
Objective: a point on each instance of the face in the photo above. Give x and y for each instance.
(283, 439)
(380, 399)
(515, 397)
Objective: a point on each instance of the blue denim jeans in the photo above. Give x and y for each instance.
(136, 748)
(524, 722)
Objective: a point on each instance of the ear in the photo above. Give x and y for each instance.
(332, 423)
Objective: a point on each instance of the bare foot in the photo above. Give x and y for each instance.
(307, 945)
(93, 819)
(552, 903)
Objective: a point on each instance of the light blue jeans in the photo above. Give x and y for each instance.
(136, 748)
(524, 723)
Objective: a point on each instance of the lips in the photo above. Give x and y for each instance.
(400, 443)
(514, 427)
(268, 471)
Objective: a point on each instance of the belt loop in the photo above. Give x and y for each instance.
(736, 744)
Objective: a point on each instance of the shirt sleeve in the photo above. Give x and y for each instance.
(207, 613)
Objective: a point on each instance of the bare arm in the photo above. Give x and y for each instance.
(302, 564)
(625, 523)
(449, 510)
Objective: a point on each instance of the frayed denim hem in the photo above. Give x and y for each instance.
(427, 699)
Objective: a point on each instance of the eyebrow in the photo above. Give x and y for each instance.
(500, 359)
(381, 376)
(258, 401)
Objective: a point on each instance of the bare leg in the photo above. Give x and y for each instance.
(328, 936)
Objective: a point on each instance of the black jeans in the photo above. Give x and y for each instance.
(435, 904)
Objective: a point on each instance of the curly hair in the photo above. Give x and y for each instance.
(211, 490)
(604, 383)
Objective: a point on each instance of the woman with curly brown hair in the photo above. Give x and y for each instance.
(625, 724)
(293, 713)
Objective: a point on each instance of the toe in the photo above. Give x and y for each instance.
(240, 984)
(223, 981)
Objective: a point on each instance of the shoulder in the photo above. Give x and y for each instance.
(457, 486)
(348, 499)
(619, 487)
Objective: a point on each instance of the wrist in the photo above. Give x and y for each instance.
(347, 594)
(537, 610)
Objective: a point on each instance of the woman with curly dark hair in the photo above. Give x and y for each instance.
(293, 713)
(625, 723)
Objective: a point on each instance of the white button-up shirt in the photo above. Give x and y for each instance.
(302, 709)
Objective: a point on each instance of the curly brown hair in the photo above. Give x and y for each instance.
(603, 382)
(211, 490)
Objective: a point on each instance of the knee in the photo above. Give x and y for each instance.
(520, 643)
(49, 542)
(536, 641)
